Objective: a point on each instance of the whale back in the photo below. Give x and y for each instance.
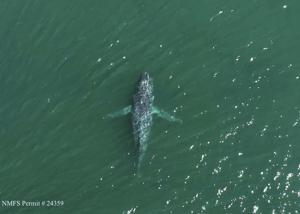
(142, 110)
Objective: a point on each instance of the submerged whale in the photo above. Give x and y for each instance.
(142, 110)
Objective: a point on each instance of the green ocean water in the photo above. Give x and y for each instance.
(229, 69)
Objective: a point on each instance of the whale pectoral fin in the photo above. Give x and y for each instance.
(122, 112)
(165, 115)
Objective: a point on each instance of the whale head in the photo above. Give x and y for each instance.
(145, 77)
(146, 84)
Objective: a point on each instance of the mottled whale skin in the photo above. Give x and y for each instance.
(142, 110)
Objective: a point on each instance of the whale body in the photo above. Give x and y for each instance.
(142, 110)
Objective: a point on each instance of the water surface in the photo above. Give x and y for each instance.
(229, 70)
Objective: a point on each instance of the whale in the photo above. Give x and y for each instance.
(142, 110)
